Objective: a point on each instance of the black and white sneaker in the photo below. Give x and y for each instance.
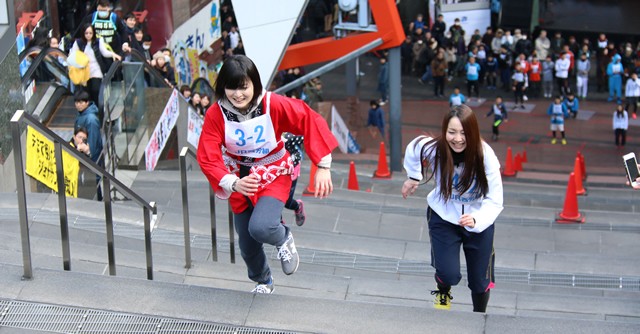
(288, 256)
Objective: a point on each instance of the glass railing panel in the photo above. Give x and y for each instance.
(11, 99)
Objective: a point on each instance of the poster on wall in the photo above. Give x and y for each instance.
(161, 133)
(191, 39)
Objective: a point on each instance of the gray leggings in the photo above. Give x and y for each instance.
(547, 87)
(256, 226)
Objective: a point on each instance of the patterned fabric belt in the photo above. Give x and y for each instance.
(264, 161)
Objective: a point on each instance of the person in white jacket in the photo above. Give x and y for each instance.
(562, 74)
(462, 207)
(620, 125)
(543, 45)
(632, 93)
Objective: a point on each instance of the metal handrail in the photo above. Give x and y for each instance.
(184, 153)
(37, 61)
(60, 144)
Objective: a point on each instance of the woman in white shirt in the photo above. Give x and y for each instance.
(98, 54)
(462, 207)
(620, 125)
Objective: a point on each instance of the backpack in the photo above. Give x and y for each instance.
(79, 68)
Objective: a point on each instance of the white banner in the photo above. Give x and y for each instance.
(161, 133)
(194, 127)
(470, 20)
(339, 130)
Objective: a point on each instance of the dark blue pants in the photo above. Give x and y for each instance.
(446, 239)
(292, 204)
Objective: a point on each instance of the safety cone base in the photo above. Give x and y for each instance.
(377, 175)
(582, 193)
(580, 219)
(509, 173)
(306, 192)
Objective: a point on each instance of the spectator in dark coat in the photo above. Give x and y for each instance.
(438, 29)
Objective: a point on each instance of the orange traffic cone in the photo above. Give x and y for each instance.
(508, 165)
(383, 168)
(524, 155)
(583, 168)
(311, 187)
(570, 213)
(577, 170)
(517, 163)
(353, 178)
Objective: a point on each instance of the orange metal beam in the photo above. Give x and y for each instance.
(387, 19)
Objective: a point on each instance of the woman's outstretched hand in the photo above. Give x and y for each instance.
(323, 184)
(409, 187)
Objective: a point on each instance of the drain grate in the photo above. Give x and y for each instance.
(65, 319)
(41, 317)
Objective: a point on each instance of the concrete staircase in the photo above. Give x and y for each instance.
(365, 266)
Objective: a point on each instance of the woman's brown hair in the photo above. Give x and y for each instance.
(473, 156)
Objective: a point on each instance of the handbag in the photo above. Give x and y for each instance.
(79, 68)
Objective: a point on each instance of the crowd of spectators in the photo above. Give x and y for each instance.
(551, 66)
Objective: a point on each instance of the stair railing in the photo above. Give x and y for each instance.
(60, 144)
(184, 153)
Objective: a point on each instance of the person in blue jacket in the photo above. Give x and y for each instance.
(572, 103)
(558, 112)
(375, 119)
(456, 98)
(473, 73)
(88, 118)
(614, 71)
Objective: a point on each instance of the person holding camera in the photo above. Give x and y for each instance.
(79, 141)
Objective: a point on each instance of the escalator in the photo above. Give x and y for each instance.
(49, 91)
(133, 96)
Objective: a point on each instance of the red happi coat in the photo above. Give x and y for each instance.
(287, 115)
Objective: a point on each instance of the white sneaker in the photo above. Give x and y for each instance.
(265, 288)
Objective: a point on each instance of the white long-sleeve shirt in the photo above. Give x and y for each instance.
(632, 88)
(621, 122)
(562, 68)
(484, 210)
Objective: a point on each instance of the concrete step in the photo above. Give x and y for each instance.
(318, 281)
(534, 194)
(604, 211)
(151, 299)
(395, 238)
(88, 253)
(354, 232)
